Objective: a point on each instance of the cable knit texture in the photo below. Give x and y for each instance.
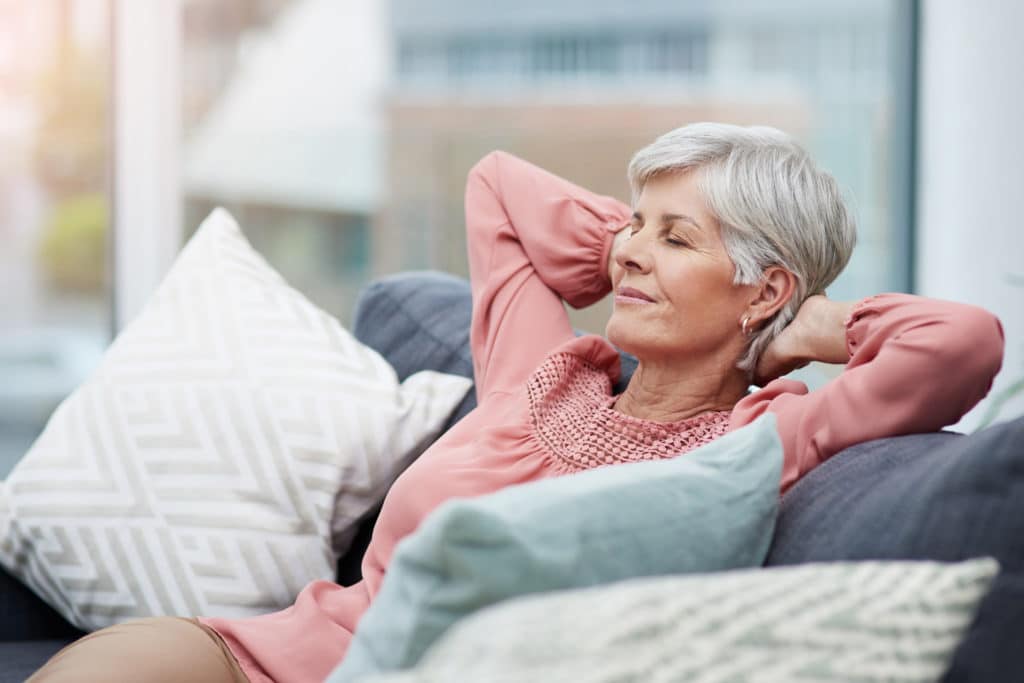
(573, 416)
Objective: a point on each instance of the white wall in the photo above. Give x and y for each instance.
(970, 223)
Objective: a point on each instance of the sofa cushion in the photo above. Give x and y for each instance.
(25, 616)
(419, 321)
(712, 509)
(220, 456)
(19, 660)
(933, 496)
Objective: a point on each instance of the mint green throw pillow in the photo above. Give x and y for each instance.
(711, 509)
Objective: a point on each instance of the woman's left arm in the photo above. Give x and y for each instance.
(912, 365)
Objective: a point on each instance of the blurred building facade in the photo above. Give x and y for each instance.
(281, 127)
(578, 86)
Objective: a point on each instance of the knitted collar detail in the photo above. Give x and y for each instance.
(573, 418)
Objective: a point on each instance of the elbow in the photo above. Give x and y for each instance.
(483, 191)
(996, 343)
(485, 171)
(994, 346)
(978, 348)
(988, 342)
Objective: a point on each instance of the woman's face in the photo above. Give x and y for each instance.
(676, 259)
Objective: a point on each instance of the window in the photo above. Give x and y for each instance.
(678, 53)
(574, 55)
(55, 311)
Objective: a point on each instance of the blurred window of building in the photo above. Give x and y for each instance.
(679, 52)
(55, 308)
(574, 55)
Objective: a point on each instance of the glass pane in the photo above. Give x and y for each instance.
(340, 132)
(54, 313)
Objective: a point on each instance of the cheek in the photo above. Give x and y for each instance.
(709, 298)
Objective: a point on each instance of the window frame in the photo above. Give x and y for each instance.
(145, 185)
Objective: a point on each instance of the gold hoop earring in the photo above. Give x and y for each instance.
(746, 321)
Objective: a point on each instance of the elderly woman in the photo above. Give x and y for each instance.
(719, 271)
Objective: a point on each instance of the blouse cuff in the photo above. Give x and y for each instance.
(612, 227)
(595, 284)
(857, 322)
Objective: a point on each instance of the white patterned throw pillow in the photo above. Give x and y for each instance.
(221, 455)
(855, 622)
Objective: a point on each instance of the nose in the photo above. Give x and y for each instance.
(634, 253)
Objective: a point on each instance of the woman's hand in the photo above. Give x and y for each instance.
(817, 333)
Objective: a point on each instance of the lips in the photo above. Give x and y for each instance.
(630, 293)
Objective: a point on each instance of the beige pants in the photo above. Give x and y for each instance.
(159, 650)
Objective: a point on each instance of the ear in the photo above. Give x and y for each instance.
(773, 292)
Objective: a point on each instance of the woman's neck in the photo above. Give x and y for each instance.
(670, 394)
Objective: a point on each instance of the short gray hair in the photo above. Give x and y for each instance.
(774, 205)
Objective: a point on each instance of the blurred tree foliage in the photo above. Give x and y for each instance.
(71, 158)
(74, 244)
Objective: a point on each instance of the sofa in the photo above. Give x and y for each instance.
(941, 496)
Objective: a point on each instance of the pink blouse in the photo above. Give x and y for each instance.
(545, 397)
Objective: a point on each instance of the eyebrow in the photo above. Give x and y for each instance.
(671, 217)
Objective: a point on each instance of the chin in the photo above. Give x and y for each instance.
(643, 338)
(621, 334)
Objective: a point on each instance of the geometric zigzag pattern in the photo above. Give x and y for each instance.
(221, 455)
(857, 621)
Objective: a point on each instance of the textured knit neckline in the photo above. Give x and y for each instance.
(574, 419)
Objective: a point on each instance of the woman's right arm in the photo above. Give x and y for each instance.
(534, 240)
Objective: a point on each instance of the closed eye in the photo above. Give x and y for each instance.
(637, 223)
